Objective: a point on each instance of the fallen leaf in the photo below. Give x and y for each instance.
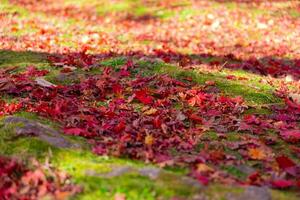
(257, 154)
(143, 97)
(151, 111)
(6, 84)
(149, 140)
(201, 167)
(285, 162)
(281, 183)
(210, 83)
(291, 135)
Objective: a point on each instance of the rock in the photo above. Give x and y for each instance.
(180, 116)
(42, 82)
(295, 97)
(199, 197)
(116, 171)
(246, 169)
(191, 182)
(43, 132)
(150, 172)
(71, 76)
(251, 193)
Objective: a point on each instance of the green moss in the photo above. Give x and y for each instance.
(217, 191)
(210, 135)
(284, 195)
(39, 60)
(232, 170)
(25, 58)
(186, 13)
(260, 111)
(79, 162)
(233, 153)
(251, 90)
(164, 13)
(21, 147)
(252, 95)
(35, 117)
(114, 62)
(8, 98)
(113, 7)
(233, 136)
(199, 146)
(132, 184)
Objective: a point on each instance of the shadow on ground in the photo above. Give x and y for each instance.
(265, 66)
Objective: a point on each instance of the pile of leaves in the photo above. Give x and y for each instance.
(18, 181)
(166, 121)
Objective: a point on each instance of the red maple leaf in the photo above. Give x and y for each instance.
(75, 131)
(117, 88)
(291, 135)
(285, 162)
(282, 183)
(120, 126)
(142, 96)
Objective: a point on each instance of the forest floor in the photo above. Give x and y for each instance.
(149, 100)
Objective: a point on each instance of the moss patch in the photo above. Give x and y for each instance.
(78, 162)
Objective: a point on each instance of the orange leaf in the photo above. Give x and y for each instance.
(257, 154)
(149, 140)
(201, 167)
(151, 111)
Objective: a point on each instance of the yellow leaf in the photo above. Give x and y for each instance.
(257, 154)
(151, 111)
(201, 167)
(149, 140)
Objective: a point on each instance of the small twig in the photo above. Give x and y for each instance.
(222, 66)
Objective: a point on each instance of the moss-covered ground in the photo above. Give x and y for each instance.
(78, 162)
